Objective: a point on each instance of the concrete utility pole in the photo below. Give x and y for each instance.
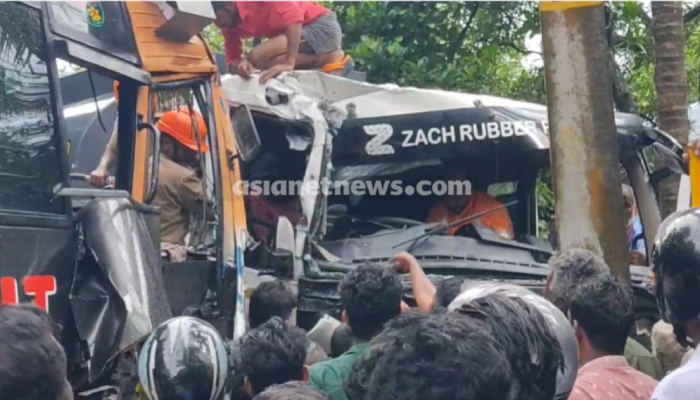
(583, 137)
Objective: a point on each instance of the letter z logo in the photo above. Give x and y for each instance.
(377, 145)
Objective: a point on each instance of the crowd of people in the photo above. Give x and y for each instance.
(463, 340)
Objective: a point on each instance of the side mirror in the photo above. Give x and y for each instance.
(245, 133)
(669, 159)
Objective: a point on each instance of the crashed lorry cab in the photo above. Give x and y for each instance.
(91, 257)
(354, 131)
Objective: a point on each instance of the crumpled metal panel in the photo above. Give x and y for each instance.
(122, 302)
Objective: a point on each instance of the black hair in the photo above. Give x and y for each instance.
(371, 296)
(531, 346)
(431, 357)
(235, 384)
(569, 268)
(447, 290)
(273, 353)
(292, 391)
(270, 299)
(603, 306)
(33, 365)
(341, 341)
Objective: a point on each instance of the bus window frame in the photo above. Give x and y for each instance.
(36, 218)
(94, 44)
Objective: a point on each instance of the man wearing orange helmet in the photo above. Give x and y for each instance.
(179, 192)
(98, 177)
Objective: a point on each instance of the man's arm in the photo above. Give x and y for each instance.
(293, 34)
(233, 47)
(192, 198)
(98, 177)
(289, 14)
(423, 289)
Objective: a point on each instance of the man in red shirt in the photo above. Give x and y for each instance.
(301, 34)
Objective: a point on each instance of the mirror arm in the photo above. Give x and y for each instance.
(156, 159)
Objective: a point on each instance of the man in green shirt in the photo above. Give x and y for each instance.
(370, 296)
(568, 269)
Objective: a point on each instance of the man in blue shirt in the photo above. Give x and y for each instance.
(635, 232)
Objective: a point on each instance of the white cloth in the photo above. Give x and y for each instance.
(681, 384)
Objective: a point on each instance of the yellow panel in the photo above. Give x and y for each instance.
(546, 6)
(233, 206)
(160, 55)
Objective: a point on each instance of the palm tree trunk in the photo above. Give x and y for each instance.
(671, 84)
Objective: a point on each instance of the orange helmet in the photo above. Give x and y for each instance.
(178, 125)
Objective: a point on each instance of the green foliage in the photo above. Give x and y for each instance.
(468, 46)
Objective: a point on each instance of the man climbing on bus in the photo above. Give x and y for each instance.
(455, 207)
(301, 35)
(179, 193)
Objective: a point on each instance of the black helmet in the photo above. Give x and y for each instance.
(184, 358)
(559, 323)
(675, 261)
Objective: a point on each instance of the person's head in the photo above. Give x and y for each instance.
(33, 364)
(370, 297)
(628, 203)
(270, 299)
(431, 357)
(569, 268)
(199, 354)
(341, 341)
(531, 346)
(183, 135)
(447, 290)
(315, 354)
(292, 391)
(456, 203)
(675, 261)
(226, 14)
(272, 354)
(602, 312)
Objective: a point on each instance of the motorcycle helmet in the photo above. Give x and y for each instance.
(675, 262)
(184, 358)
(558, 322)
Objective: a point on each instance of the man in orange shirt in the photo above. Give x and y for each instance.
(302, 34)
(456, 207)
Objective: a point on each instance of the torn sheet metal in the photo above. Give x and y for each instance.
(124, 298)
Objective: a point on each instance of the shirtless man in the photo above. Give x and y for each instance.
(455, 207)
(301, 35)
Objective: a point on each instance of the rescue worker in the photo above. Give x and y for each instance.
(98, 177)
(301, 35)
(456, 207)
(184, 358)
(675, 261)
(179, 193)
